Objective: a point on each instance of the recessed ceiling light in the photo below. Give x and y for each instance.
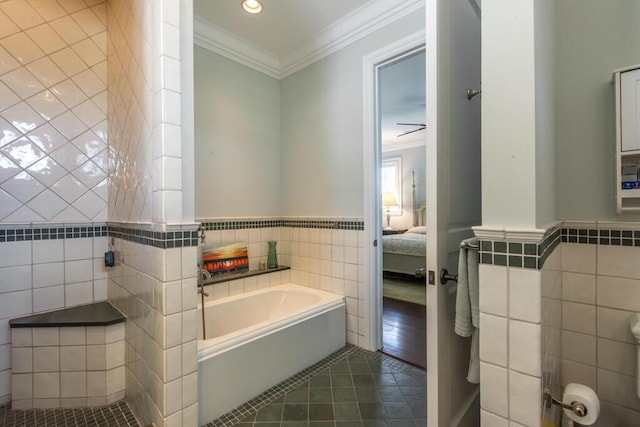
(252, 6)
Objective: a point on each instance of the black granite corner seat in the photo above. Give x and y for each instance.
(96, 314)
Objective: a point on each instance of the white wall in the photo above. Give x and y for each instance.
(508, 114)
(322, 150)
(545, 179)
(593, 39)
(237, 136)
(518, 140)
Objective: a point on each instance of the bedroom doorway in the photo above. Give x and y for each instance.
(452, 40)
(402, 139)
(402, 106)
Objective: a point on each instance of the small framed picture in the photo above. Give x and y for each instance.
(226, 259)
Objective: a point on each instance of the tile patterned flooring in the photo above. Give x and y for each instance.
(116, 415)
(352, 387)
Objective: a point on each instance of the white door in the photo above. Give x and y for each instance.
(453, 197)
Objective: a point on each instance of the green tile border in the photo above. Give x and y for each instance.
(21, 233)
(239, 224)
(519, 254)
(533, 256)
(599, 236)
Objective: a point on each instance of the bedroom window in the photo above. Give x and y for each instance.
(392, 181)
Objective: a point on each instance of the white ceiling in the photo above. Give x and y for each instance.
(286, 26)
(282, 26)
(402, 99)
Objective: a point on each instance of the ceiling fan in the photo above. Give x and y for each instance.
(421, 126)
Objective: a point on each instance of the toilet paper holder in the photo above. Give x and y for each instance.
(576, 407)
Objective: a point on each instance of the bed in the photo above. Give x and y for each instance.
(405, 253)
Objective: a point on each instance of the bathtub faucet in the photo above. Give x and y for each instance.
(202, 276)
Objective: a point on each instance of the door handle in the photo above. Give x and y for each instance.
(445, 276)
(421, 272)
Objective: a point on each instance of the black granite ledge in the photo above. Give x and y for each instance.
(236, 276)
(96, 314)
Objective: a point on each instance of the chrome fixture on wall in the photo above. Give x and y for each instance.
(472, 92)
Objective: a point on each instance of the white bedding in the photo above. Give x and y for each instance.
(405, 244)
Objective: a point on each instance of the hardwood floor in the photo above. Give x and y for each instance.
(404, 331)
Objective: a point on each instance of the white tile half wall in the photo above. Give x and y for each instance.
(155, 287)
(600, 292)
(565, 321)
(514, 278)
(46, 274)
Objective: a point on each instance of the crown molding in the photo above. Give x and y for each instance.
(396, 146)
(222, 42)
(349, 29)
(363, 21)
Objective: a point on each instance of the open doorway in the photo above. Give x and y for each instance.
(401, 138)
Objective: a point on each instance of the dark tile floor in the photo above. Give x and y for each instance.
(353, 387)
(116, 415)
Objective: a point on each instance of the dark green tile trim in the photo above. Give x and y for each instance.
(21, 233)
(520, 254)
(187, 237)
(336, 224)
(606, 237)
(534, 256)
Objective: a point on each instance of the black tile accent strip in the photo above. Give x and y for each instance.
(608, 237)
(535, 255)
(158, 239)
(118, 414)
(21, 233)
(338, 224)
(522, 254)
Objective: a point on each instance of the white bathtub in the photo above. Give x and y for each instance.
(257, 339)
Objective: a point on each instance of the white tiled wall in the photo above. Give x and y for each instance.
(130, 109)
(256, 240)
(600, 291)
(68, 367)
(53, 110)
(510, 345)
(332, 260)
(156, 289)
(144, 95)
(53, 154)
(327, 259)
(551, 312)
(145, 111)
(43, 275)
